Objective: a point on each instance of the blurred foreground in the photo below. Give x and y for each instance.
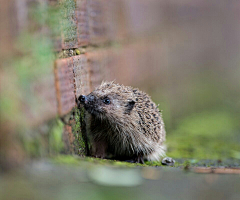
(86, 180)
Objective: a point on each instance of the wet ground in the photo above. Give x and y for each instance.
(50, 180)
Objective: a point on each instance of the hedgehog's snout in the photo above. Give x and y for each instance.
(89, 99)
(89, 103)
(82, 99)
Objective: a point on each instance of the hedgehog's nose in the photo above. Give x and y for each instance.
(82, 98)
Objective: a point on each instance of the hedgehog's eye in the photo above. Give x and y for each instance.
(106, 101)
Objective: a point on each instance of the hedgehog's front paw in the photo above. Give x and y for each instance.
(168, 161)
(136, 159)
(139, 159)
(99, 149)
(99, 155)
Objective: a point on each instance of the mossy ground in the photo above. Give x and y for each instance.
(180, 163)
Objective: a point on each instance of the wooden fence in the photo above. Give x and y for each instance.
(93, 40)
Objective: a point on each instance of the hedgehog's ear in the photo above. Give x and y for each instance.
(130, 106)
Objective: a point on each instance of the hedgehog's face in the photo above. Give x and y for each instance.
(106, 105)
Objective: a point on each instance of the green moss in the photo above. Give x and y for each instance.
(66, 159)
(68, 25)
(80, 140)
(75, 160)
(153, 163)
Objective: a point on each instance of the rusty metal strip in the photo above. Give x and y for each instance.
(82, 22)
(96, 68)
(64, 85)
(97, 25)
(81, 75)
(44, 102)
(216, 170)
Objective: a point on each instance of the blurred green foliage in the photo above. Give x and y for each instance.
(43, 140)
(206, 135)
(201, 114)
(56, 144)
(32, 61)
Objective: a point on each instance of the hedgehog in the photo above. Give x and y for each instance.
(123, 123)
